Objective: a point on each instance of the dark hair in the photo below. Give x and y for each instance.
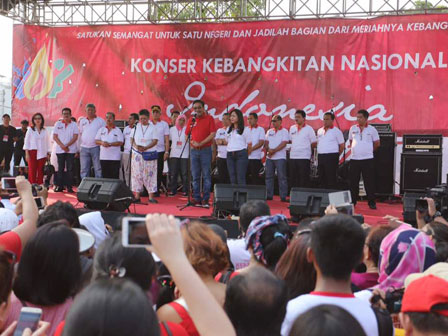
(134, 115)
(138, 263)
(111, 113)
(90, 105)
(429, 322)
(49, 271)
(277, 117)
(6, 274)
(156, 106)
(302, 113)
(295, 269)
(374, 239)
(306, 223)
(175, 112)
(144, 112)
(337, 242)
(240, 122)
(67, 109)
(199, 101)
(73, 118)
(251, 210)
(326, 320)
(331, 114)
(6, 116)
(274, 246)
(439, 234)
(167, 286)
(226, 114)
(256, 302)
(37, 115)
(364, 113)
(112, 307)
(59, 210)
(24, 121)
(253, 114)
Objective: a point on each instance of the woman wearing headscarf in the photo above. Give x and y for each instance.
(179, 154)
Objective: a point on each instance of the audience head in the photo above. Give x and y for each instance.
(49, 271)
(167, 287)
(326, 320)
(251, 210)
(57, 211)
(267, 238)
(373, 243)
(113, 260)
(337, 243)
(8, 220)
(438, 232)
(112, 307)
(7, 262)
(256, 302)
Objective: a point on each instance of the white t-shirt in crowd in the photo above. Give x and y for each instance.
(362, 142)
(275, 138)
(162, 129)
(110, 136)
(144, 135)
(328, 141)
(358, 308)
(256, 134)
(39, 141)
(178, 139)
(236, 141)
(239, 256)
(222, 149)
(127, 132)
(65, 133)
(88, 130)
(301, 140)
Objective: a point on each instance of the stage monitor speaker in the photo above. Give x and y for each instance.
(228, 198)
(385, 165)
(419, 172)
(409, 207)
(104, 194)
(308, 202)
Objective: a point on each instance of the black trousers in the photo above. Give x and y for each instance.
(19, 154)
(6, 153)
(299, 173)
(223, 173)
(110, 168)
(328, 170)
(253, 172)
(159, 170)
(178, 166)
(367, 169)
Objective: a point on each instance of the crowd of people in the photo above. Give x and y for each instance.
(325, 276)
(137, 153)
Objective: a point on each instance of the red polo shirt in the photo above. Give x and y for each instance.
(204, 126)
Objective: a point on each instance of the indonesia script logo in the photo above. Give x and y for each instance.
(43, 78)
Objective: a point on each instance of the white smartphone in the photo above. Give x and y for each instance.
(9, 183)
(40, 202)
(134, 233)
(29, 318)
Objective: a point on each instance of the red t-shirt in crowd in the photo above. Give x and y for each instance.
(10, 241)
(204, 126)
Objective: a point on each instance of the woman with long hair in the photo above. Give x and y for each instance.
(238, 140)
(36, 149)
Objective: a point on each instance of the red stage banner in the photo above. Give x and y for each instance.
(394, 66)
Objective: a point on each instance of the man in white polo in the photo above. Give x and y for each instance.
(255, 150)
(303, 141)
(330, 144)
(110, 139)
(125, 156)
(220, 149)
(163, 143)
(89, 151)
(364, 140)
(65, 135)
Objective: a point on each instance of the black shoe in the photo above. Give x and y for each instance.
(70, 190)
(171, 194)
(372, 205)
(157, 194)
(284, 200)
(59, 189)
(152, 200)
(269, 199)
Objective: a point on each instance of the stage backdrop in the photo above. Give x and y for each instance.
(394, 66)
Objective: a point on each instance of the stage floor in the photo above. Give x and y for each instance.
(169, 205)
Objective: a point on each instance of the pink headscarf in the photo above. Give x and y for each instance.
(182, 116)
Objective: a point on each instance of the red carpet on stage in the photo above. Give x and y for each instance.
(169, 205)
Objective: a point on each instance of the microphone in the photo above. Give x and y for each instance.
(193, 115)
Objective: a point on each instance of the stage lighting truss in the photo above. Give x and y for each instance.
(75, 12)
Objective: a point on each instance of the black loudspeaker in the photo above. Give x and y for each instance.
(104, 194)
(419, 172)
(307, 202)
(228, 198)
(385, 165)
(409, 207)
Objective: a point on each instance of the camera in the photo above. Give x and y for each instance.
(392, 301)
(440, 196)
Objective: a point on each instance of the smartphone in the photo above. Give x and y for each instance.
(9, 183)
(134, 232)
(421, 205)
(39, 202)
(29, 318)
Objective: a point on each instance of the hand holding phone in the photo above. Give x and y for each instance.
(421, 205)
(134, 232)
(29, 319)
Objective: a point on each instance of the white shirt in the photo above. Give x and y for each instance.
(358, 308)
(37, 141)
(362, 142)
(127, 132)
(328, 141)
(144, 135)
(275, 138)
(162, 129)
(65, 134)
(110, 136)
(239, 256)
(256, 135)
(88, 130)
(222, 149)
(178, 139)
(301, 140)
(236, 141)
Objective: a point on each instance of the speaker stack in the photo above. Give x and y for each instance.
(421, 162)
(384, 158)
(228, 198)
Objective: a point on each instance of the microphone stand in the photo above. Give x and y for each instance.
(187, 142)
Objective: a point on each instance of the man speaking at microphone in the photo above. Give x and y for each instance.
(203, 129)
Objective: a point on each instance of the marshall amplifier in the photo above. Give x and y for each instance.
(419, 172)
(421, 144)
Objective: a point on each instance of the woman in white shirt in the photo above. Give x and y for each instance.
(36, 149)
(144, 161)
(177, 163)
(237, 142)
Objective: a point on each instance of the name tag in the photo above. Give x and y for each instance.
(5, 138)
(179, 144)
